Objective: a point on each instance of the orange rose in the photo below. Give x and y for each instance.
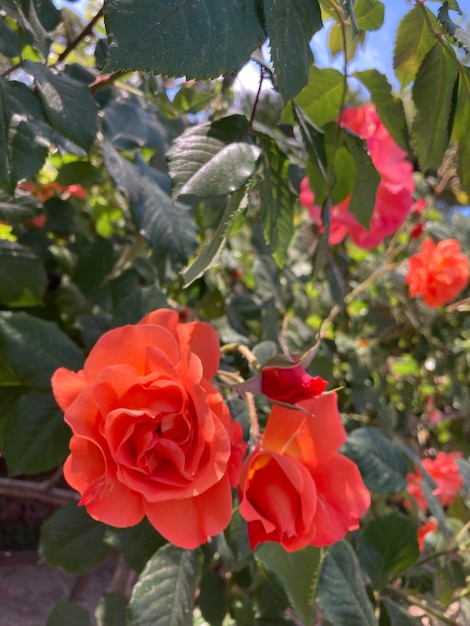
(438, 272)
(151, 435)
(295, 489)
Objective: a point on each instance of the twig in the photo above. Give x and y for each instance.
(11, 69)
(429, 610)
(36, 491)
(255, 103)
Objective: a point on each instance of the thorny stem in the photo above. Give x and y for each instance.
(255, 433)
(429, 610)
(36, 491)
(244, 351)
(85, 32)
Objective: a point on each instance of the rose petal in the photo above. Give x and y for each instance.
(201, 338)
(312, 436)
(162, 317)
(128, 344)
(105, 500)
(66, 386)
(342, 500)
(188, 523)
(278, 500)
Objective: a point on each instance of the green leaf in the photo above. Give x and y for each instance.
(366, 182)
(189, 100)
(218, 36)
(137, 543)
(463, 165)
(340, 592)
(166, 224)
(72, 540)
(290, 27)
(212, 159)
(387, 547)
(33, 349)
(464, 469)
(23, 280)
(369, 14)
(314, 141)
(111, 610)
(68, 613)
(209, 256)
(137, 304)
(321, 98)
(432, 96)
(24, 134)
(461, 120)
(36, 19)
(345, 174)
(336, 41)
(277, 200)
(17, 209)
(10, 43)
(389, 108)
(36, 436)
(68, 104)
(296, 573)
(460, 126)
(164, 593)
(382, 465)
(398, 616)
(213, 598)
(412, 43)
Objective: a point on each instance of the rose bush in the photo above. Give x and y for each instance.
(151, 435)
(295, 488)
(438, 272)
(394, 195)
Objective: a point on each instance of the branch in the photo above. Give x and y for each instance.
(37, 491)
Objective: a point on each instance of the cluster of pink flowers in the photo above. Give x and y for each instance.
(394, 197)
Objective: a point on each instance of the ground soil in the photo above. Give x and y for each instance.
(29, 589)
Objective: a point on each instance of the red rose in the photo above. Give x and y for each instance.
(438, 272)
(151, 435)
(295, 489)
(394, 194)
(290, 384)
(445, 473)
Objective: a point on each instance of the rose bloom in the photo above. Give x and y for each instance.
(295, 489)
(445, 473)
(394, 194)
(151, 435)
(290, 384)
(438, 272)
